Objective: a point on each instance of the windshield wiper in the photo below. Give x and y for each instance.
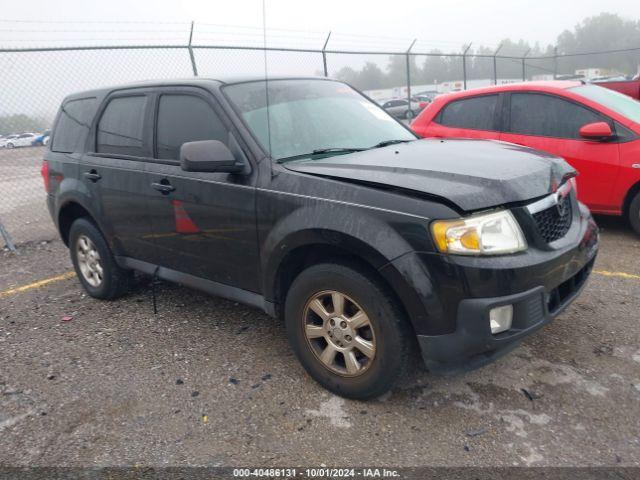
(389, 142)
(322, 151)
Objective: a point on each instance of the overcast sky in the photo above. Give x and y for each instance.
(442, 24)
(34, 83)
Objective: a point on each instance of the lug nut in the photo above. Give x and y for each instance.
(332, 322)
(348, 338)
(343, 324)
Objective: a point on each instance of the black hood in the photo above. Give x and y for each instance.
(473, 174)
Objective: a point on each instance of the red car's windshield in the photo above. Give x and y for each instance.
(616, 101)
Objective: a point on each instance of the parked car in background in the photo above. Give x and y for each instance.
(400, 108)
(365, 239)
(7, 139)
(42, 139)
(628, 87)
(426, 96)
(21, 140)
(595, 129)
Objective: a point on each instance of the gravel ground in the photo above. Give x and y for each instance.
(23, 211)
(207, 382)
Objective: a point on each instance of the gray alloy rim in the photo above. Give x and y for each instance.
(89, 261)
(339, 333)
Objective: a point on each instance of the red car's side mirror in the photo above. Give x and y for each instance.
(596, 131)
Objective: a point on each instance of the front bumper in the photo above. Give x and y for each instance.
(457, 293)
(473, 345)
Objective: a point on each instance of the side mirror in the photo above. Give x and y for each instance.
(208, 156)
(596, 131)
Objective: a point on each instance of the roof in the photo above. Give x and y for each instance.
(543, 86)
(194, 81)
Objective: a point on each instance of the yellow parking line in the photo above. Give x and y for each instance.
(38, 284)
(616, 274)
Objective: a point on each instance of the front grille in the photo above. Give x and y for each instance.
(554, 222)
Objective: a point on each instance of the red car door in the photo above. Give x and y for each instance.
(472, 117)
(550, 123)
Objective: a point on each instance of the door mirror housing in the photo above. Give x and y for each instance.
(600, 131)
(208, 156)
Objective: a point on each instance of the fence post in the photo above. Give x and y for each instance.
(408, 55)
(193, 58)
(7, 237)
(324, 55)
(524, 73)
(495, 65)
(555, 62)
(464, 65)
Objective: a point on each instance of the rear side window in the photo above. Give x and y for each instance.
(548, 116)
(73, 124)
(120, 130)
(476, 113)
(185, 118)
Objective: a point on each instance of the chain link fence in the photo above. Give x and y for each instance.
(33, 81)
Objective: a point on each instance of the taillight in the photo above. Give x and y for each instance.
(422, 104)
(44, 171)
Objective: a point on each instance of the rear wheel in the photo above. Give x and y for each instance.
(94, 263)
(408, 114)
(347, 331)
(634, 213)
(10, 145)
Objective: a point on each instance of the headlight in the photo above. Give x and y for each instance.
(489, 234)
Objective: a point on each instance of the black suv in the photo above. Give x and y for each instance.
(304, 198)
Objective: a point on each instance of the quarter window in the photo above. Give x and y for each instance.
(73, 125)
(186, 118)
(475, 113)
(548, 116)
(120, 130)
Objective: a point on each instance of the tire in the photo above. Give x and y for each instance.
(388, 331)
(409, 114)
(634, 213)
(10, 145)
(114, 281)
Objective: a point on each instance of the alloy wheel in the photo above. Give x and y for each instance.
(339, 333)
(89, 261)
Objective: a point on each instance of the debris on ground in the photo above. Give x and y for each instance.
(531, 395)
(477, 433)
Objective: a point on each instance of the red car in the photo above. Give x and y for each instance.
(595, 129)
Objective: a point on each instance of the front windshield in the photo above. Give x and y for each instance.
(616, 101)
(310, 115)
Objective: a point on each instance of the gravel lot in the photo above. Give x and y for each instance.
(208, 382)
(22, 208)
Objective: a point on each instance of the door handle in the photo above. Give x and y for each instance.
(92, 175)
(163, 187)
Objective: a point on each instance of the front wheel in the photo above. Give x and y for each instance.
(634, 213)
(347, 330)
(409, 114)
(10, 145)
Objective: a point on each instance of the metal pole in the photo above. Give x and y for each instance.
(409, 73)
(555, 62)
(193, 58)
(464, 65)
(324, 55)
(495, 65)
(524, 76)
(7, 238)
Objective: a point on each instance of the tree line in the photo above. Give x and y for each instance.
(603, 32)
